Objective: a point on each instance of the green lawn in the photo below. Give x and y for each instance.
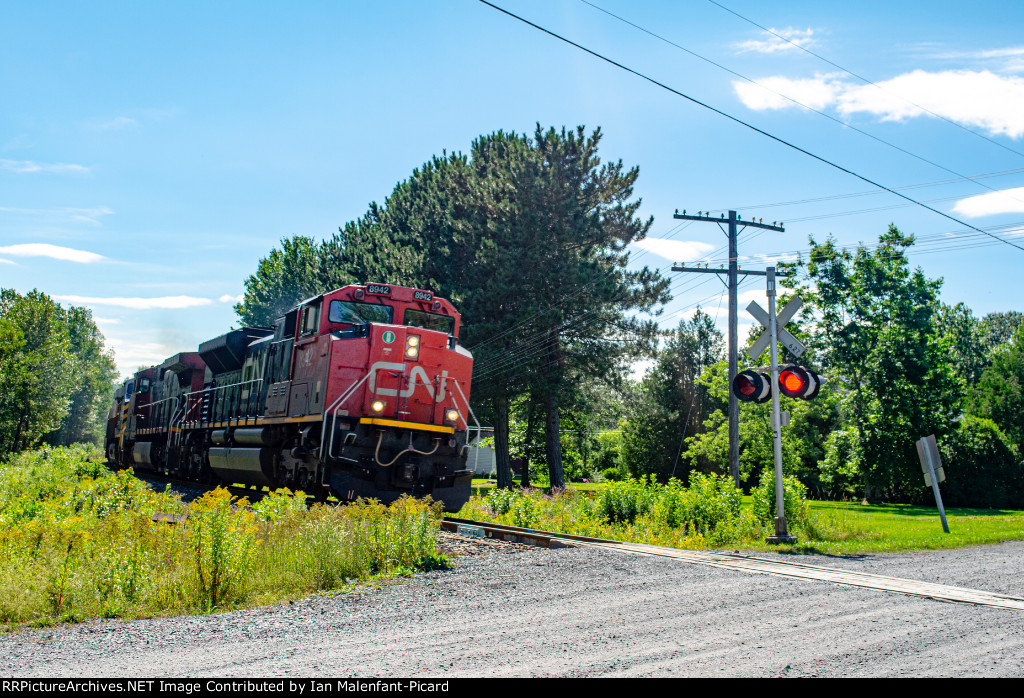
(848, 528)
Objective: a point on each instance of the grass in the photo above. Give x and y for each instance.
(79, 542)
(829, 528)
(846, 528)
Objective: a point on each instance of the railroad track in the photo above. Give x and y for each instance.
(732, 561)
(744, 563)
(197, 488)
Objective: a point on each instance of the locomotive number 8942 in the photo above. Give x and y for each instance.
(360, 392)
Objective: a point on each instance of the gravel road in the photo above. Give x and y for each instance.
(576, 612)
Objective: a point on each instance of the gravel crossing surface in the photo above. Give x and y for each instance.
(509, 610)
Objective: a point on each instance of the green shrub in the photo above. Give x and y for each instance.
(710, 503)
(611, 474)
(624, 501)
(983, 468)
(714, 499)
(525, 512)
(500, 499)
(794, 497)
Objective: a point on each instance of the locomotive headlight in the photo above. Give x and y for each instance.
(412, 347)
(452, 415)
(377, 405)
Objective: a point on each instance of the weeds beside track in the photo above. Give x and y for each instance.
(79, 541)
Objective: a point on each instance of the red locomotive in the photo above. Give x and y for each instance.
(360, 392)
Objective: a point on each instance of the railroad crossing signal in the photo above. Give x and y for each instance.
(752, 386)
(794, 381)
(797, 381)
(788, 340)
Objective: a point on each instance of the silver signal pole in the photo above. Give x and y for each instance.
(781, 534)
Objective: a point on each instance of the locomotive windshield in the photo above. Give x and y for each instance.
(430, 321)
(352, 313)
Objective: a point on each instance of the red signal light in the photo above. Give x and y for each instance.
(749, 386)
(800, 382)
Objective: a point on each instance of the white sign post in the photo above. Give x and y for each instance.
(931, 464)
(771, 336)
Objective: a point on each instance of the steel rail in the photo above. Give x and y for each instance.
(780, 568)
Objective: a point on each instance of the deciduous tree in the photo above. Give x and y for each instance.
(881, 334)
(37, 369)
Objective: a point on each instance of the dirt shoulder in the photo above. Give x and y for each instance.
(506, 610)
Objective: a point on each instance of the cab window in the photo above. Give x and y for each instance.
(310, 320)
(430, 321)
(352, 313)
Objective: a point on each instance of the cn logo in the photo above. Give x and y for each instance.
(417, 377)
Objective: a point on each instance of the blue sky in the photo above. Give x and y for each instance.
(150, 154)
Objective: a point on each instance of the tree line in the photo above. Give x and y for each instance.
(528, 236)
(56, 375)
(899, 364)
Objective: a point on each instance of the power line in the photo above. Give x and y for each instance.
(791, 99)
(743, 123)
(873, 192)
(868, 82)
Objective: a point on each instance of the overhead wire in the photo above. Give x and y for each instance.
(538, 340)
(531, 345)
(868, 82)
(739, 121)
(834, 119)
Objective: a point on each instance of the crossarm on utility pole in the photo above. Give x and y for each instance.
(733, 273)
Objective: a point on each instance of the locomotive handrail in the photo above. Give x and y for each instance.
(333, 410)
(211, 392)
(152, 405)
(469, 408)
(179, 413)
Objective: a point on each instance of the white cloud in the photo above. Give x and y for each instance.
(979, 99)
(41, 249)
(88, 215)
(116, 123)
(228, 298)
(30, 166)
(816, 93)
(798, 38)
(1006, 60)
(1005, 201)
(997, 53)
(130, 354)
(992, 102)
(173, 302)
(82, 215)
(675, 250)
(6, 261)
(743, 299)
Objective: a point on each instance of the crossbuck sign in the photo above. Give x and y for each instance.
(789, 341)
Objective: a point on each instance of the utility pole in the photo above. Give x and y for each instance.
(733, 273)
